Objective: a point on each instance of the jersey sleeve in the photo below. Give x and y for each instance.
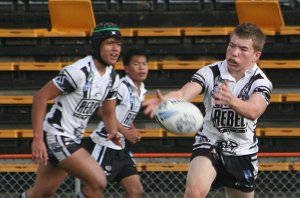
(202, 77)
(68, 79)
(112, 94)
(264, 88)
(122, 92)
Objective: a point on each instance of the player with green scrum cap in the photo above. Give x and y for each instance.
(79, 89)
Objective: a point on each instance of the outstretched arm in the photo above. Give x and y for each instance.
(189, 91)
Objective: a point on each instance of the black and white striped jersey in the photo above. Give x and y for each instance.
(84, 89)
(128, 105)
(223, 127)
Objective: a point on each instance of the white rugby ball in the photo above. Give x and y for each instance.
(179, 116)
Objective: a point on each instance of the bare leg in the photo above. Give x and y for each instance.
(200, 176)
(234, 193)
(47, 181)
(132, 186)
(81, 165)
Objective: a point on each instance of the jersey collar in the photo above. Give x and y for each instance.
(227, 76)
(142, 86)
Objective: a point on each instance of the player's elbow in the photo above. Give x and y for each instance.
(39, 98)
(252, 117)
(253, 114)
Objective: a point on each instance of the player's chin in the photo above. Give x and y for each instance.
(142, 78)
(112, 62)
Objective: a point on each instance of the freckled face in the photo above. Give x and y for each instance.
(110, 50)
(137, 69)
(240, 54)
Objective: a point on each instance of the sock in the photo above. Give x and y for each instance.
(81, 194)
(22, 195)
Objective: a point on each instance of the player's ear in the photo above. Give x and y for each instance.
(257, 56)
(126, 69)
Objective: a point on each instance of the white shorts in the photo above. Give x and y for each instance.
(60, 147)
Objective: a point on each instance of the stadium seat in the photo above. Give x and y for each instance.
(40, 66)
(276, 98)
(153, 133)
(146, 133)
(15, 99)
(175, 64)
(289, 97)
(71, 18)
(18, 168)
(128, 32)
(163, 167)
(27, 133)
(279, 64)
(22, 33)
(275, 166)
(7, 133)
(153, 65)
(268, 15)
(290, 30)
(293, 97)
(7, 66)
(160, 167)
(296, 166)
(159, 32)
(19, 99)
(265, 13)
(178, 65)
(278, 132)
(169, 134)
(207, 31)
(162, 133)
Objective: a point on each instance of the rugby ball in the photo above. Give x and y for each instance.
(179, 116)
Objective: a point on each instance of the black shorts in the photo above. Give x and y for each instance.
(117, 164)
(238, 172)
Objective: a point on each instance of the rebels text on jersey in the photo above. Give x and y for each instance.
(84, 89)
(129, 104)
(223, 127)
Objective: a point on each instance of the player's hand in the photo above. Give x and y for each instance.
(224, 95)
(152, 104)
(115, 138)
(39, 151)
(133, 135)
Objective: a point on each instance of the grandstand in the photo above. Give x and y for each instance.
(180, 37)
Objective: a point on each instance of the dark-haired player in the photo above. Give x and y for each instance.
(116, 160)
(79, 89)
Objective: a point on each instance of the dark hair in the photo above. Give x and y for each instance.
(251, 31)
(133, 52)
(101, 32)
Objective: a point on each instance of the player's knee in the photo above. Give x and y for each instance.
(135, 191)
(102, 183)
(92, 190)
(98, 184)
(195, 192)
